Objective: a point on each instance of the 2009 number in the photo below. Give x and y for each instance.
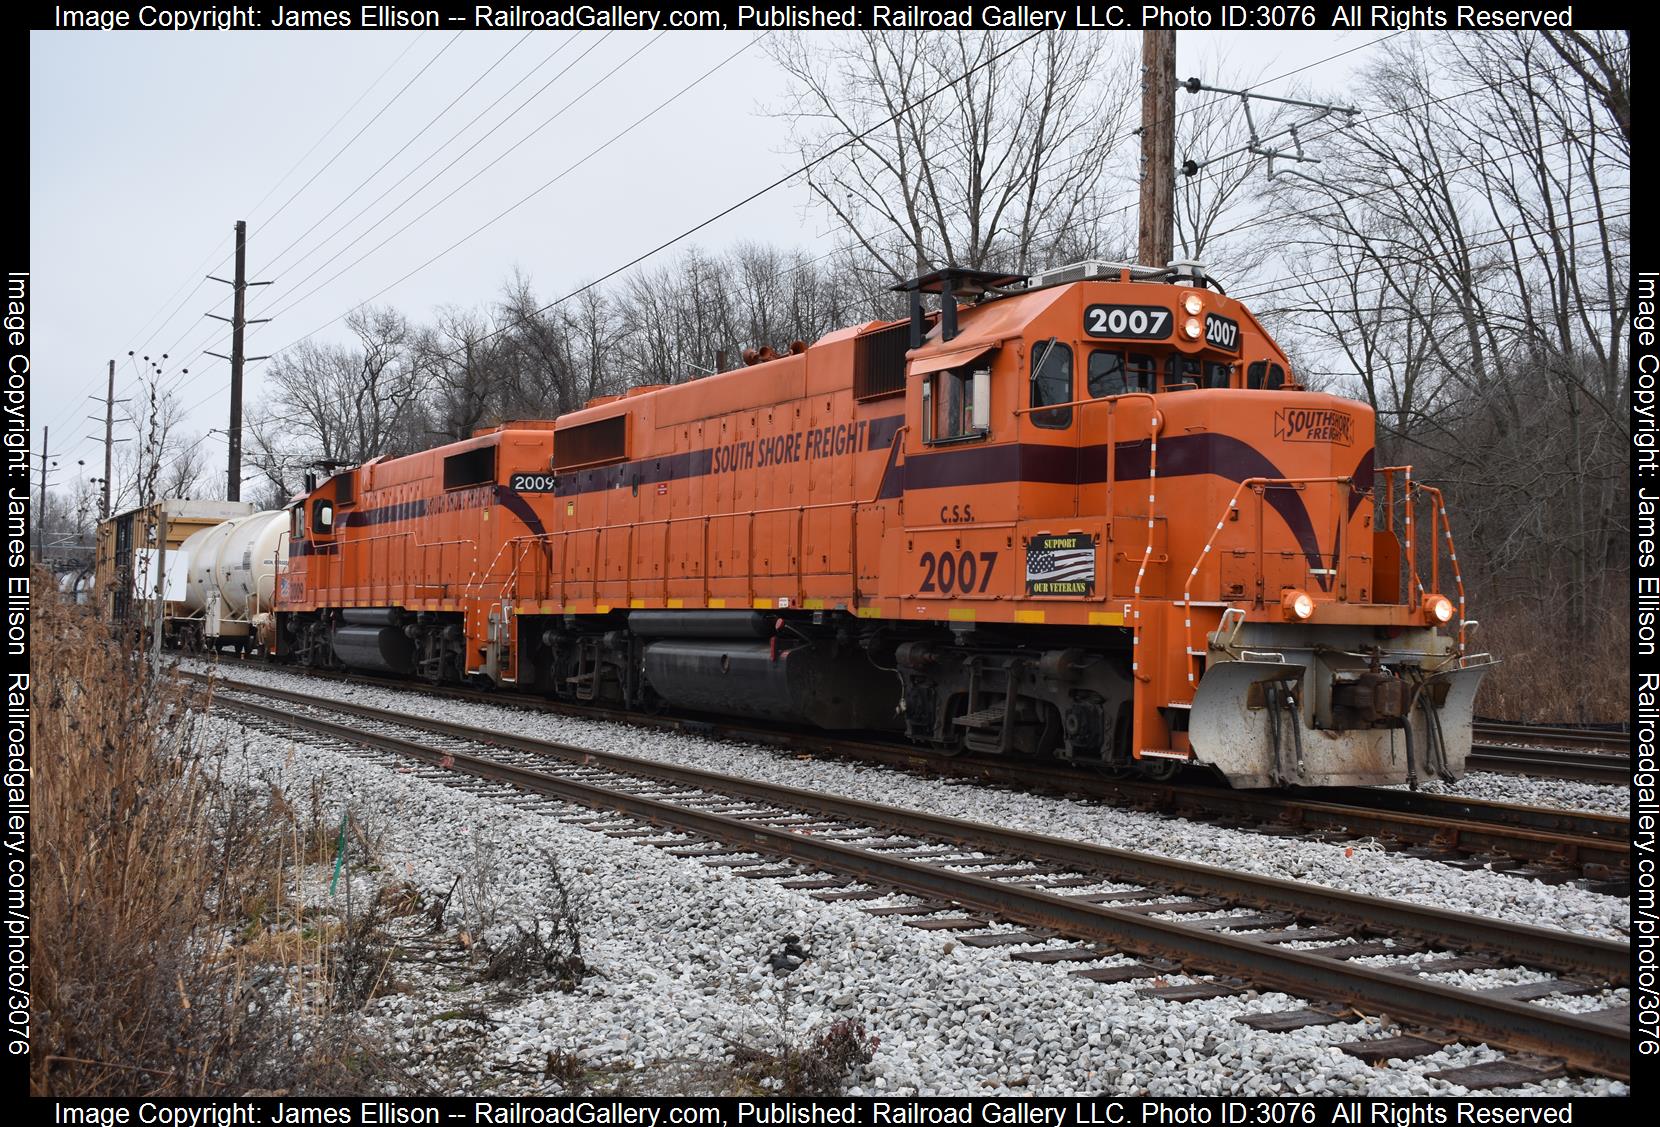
(533, 483)
(957, 574)
(1141, 322)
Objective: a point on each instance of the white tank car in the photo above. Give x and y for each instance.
(233, 572)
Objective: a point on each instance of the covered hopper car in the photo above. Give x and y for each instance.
(1089, 514)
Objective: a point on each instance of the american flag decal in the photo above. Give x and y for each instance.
(1060, 565)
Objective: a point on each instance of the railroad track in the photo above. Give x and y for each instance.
(1555, 846)
(1547, 735)
(1552, 763)
(975, 880)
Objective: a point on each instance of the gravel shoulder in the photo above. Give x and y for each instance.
(680, 954)
(1359, 866)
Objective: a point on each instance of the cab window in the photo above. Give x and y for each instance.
(322, 517)
(1116, 373)
(1181, 373)
(1255, 374)
(1052, 383)
(951, 403)
(296, 523)
(1276, 377)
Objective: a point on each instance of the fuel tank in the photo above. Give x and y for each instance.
(808, 683)
(378, 649)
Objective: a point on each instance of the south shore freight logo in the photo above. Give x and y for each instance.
(1314, 424)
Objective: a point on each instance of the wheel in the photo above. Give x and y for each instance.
(1158, 770)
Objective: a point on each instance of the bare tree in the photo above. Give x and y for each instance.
(344, 403)
(990, 157)
(166, 462)
(1465, 259)
(458, 355)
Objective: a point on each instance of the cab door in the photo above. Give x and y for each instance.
(324, 578)
(1062, 545)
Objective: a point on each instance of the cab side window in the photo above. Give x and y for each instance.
(322, 517)
(953, 401)
(1052, 383)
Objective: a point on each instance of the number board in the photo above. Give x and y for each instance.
(1221, 332)
(1138, 322)
(533, 482)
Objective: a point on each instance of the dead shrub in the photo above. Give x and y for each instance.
(546, 949)
(169, 955)
(1548, 676)
(821, 1063)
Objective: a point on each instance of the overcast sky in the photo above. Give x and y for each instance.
(145, 148)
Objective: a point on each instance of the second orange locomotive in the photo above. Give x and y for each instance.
(1089, 514)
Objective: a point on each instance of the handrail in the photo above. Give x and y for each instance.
(1154, 423)
(1452, 557)
(1414, 586)
(1233, 503)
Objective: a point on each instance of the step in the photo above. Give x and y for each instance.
(985, 718)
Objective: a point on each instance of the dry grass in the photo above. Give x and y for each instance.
(170, 956)
(1549, 676)
(822, 1062)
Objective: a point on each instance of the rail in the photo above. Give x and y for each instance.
(1493, 1017)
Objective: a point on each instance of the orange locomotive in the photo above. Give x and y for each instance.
(1088, 514)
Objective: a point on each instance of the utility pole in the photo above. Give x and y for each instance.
(109, 442)
(161, 577)
(239, 288)
(1158, 148)
(45, 452)
(109, 439)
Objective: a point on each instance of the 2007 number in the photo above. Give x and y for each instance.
(957, 573)
(1142, 322)
(1221, 332)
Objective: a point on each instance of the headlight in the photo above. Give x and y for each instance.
(1192, 303)
(1438, 608)
(1192, 328)
(1297, 604)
